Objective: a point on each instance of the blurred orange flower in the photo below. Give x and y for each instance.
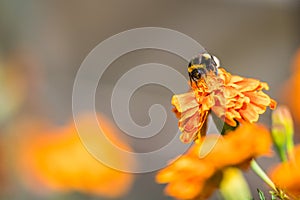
(292, 88)
(13, 87)
(58, 160)
(287, 175)
(195, 177)
(232, 98)
(2, 169)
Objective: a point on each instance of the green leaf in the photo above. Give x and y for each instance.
(261, 195)
(273, 197)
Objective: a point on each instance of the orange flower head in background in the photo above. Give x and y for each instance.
(14, 85)
(286, 175)
(58, 160)
(231, 98)
(291, 89)
(193, 176)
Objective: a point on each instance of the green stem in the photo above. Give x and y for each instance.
(277, 192)
(290, 149)
(260, 172)
(290, 137)
(282, 155)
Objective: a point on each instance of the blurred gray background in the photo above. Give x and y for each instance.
(251, 38)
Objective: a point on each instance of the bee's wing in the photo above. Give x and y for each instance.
(217, 61)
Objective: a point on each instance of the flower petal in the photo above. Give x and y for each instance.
(258, 98)
(183, 102)
(249, 113)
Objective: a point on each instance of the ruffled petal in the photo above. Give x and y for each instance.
(232, 98)
(248, 85)
(249, 113)
(183, 102)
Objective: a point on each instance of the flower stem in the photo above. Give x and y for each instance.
(282, 155)
(260, 172)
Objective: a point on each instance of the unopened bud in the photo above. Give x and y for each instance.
(283, 131)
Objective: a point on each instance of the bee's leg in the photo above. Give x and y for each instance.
(191, 81)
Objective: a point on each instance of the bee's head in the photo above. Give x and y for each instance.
(202, 64)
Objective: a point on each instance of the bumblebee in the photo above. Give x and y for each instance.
(201, 65)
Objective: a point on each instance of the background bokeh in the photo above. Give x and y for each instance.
(43, 43)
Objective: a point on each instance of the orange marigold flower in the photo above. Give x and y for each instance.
(232, 98)
(58, 161)
(194, 177)
(291, 89)
(287, 175)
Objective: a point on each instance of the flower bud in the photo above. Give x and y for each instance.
(283, 131)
